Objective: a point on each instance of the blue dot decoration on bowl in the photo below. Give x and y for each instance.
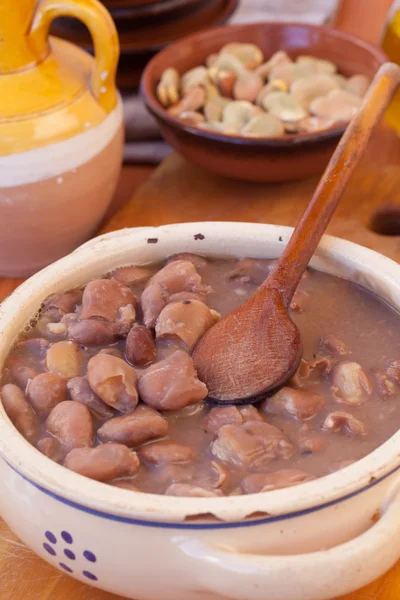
(75, 562)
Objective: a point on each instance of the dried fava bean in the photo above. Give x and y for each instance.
(192, 101)
(45, 391)
(136, 428)
(247, 86)
(338, 105)
(314, 124)
(289, 72)
(250, 413)
(80, 391)
(131, 275)
(172, 383)
(159, 453)
(318, 64)
(70, 422)
(265, 482)
(188, 320)
(278, 58)
(60, 304)
(103, 463)
(332, 344)
(51, 448)
(65, 359)
(350, 384)
(178, 276)
(153, 300)
(198, 76)
(249, 55)
(210, 60)
(103, 299)
(276, 85)
(213, 109)
(305, 90)
(193, 491)
(28, 352)
(251, 445)
(341, 420)
(309, 442)
(20, 413)
(140, 347)
(225, 81)
(168, 87)
(114, 381)
(263, 126)
(226, 62)
(358, 85)
(283, 106)
(92, 332)
(237, 114)
(299, 404)
(192, 117)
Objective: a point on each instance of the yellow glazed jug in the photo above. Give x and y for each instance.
(61, 131)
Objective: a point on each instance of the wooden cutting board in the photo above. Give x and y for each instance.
(179, 192)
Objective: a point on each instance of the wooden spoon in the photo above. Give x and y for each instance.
(257, 347)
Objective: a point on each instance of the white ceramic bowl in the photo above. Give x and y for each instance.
(315, 541)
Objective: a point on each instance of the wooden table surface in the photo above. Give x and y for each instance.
(179, 192)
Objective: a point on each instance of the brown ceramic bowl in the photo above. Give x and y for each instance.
(295, 156)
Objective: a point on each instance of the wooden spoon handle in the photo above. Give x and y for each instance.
(319, 211)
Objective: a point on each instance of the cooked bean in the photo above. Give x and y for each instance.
(20, 413)
(136, 428)
(131, 275)
(249, 55)
(103, 298)
(105, 462)
(278, 58)
(65, 359)
(51, 448)
(70, 422)
(230, 415)
(92, 332)
(21, 375)
(357, 84)
(179, 276)
(247, 86)
(188, 490)
(61, 304)
(172, 383)
(300, 404)
(188, 320)
(80, 391)
(168, 87)
(350, 384)
(305, 90)
(264, 482)
(57, 328)
(159, 453)
(194, 78)
(153, 300)
(140, 346)
(182, 296)
(332, 344)
(264, 125)
(45, 391)
(27, 359)
(252, 445)
(114, 381)
(341, 420)
(317, 64)
(193, 100)
(198, 261)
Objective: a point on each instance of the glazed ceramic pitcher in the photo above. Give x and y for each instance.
(61, 133)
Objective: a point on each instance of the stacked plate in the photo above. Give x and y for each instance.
(146, 26)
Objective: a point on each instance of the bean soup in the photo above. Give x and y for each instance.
(103, 382)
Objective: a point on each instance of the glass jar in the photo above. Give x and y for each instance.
(390, 44)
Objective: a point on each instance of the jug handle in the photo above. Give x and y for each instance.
(104, 35)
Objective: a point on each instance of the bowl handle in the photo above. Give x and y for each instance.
(315, 576)
(104, 35)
